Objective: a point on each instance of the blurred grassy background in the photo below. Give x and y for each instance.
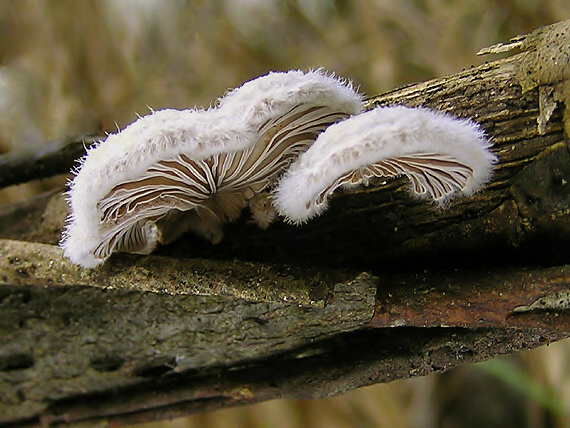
(75, 67)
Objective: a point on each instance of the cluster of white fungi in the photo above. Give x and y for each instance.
(280, 144)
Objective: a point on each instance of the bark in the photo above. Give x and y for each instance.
(381, 287)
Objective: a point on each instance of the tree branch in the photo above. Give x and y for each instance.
(57, 158)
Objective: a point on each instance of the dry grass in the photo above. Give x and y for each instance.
(72, 67)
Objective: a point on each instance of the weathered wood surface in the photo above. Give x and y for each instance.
(380, 287)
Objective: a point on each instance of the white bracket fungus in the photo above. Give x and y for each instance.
(173, 171)
(441, 156)
(281, 143)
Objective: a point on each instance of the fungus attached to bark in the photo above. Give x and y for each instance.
(441, 156)
(173, 171)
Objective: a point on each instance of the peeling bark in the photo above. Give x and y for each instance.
(380, 287)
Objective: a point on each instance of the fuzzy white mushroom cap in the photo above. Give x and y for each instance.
(172, 171)
(440, 154)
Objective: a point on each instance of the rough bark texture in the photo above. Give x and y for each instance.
(291, 311)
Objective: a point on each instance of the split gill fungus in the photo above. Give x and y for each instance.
(281, 143)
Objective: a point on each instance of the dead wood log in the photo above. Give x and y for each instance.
(381, 287)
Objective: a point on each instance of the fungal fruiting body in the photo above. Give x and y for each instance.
(282, 144)
(173, 171)
(441, 156)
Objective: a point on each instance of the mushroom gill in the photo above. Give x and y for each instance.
(181, 194)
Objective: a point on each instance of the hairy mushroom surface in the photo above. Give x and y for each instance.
(173, 171)
(440, 154)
